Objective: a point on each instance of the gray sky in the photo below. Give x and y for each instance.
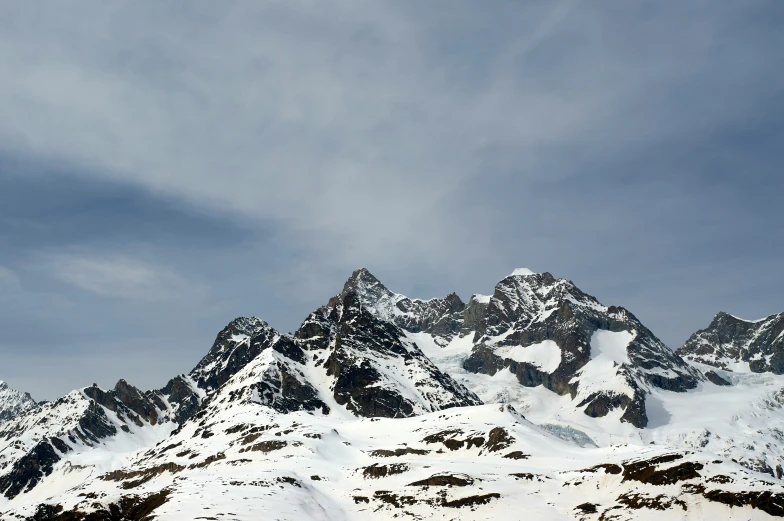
(165, 168)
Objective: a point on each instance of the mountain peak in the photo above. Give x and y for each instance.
(723, 315)
(13, 402)
(362, 281)
(732, 343)
(523, 272)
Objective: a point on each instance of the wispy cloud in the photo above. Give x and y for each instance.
(119, 277)
(9, 282)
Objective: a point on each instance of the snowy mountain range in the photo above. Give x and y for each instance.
(534, 402)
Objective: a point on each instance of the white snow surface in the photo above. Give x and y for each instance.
(755, 321)
(314, 467)
(610, 347)
(522, 272)
(544, 355)
(482, 299)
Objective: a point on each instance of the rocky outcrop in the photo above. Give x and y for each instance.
(734, 344)
(181, 396)
(128, 402)
(474, 313)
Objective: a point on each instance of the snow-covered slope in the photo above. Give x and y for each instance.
(735, 344)
(13, 403)
(242, 461)
(373, 410)
(86, 432)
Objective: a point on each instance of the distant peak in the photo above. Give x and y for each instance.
(362, 274)
(725, 315)
(523, 272)
(453, 297)
(361, 280)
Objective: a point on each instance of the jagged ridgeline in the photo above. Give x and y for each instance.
(380, 405)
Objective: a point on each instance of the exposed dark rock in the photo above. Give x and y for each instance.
(471, 501)
(354, 388)
(517, 454)
(288, 391)
(181, 394)
(134, 478)
(529, 476)
(395, 500)
(769, 502)
(376, 471)
(444, 480)
(473, 315)
(266, 446)
(60, 445)
(637, 501)
(382, 453)
(209, 461)
(440, 437)
(601, 403)
(587, 508)
(608, 468)
(714, 377)
(498, 439)
(94, 423)
(647, 471)
(128, 508)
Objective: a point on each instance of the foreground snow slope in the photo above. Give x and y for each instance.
(245, 461)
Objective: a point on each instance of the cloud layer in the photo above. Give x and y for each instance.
(166, 169)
